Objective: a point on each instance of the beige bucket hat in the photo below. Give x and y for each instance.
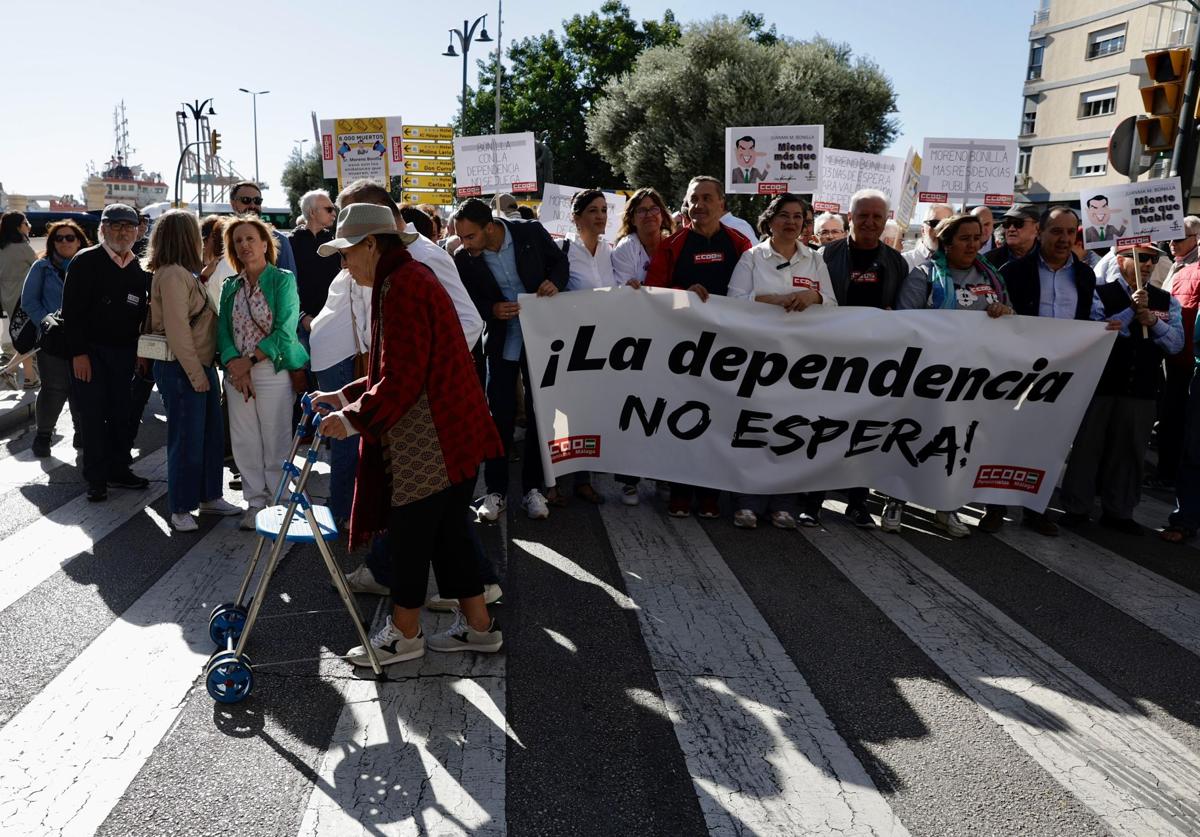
(359, 220)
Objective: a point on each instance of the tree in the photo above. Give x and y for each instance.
(554, 82)
(302, 173)
(665, 122)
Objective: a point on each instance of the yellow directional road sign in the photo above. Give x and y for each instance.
(427, 166)
(436, 198)
(429, 132)
(425, 181)
(429, 149)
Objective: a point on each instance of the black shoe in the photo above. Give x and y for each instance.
(1125, 525)
(97, 493)
(128, 480)
(860, 517)
(993, 520)
(77, 441)
(1073, 520)
(1039, 523)
(41, 445)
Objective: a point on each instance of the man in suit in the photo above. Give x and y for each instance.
(744, 158)
(1099, 228)
(498, 260)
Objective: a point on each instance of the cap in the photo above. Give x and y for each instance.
(357, 221)
(119, 212)
(505, 204)
(1144, 247)
(1023, 212)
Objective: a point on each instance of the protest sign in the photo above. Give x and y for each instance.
(371, 147)
(495, 163)
(1132, 213)
(555, 211)
(773, 160)
(936, 407)
(963, 171)
(910, 184)
(845, 172)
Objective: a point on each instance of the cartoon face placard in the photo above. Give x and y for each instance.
(772, 160)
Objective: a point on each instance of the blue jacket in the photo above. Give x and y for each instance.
(284, 258)
(42, 293)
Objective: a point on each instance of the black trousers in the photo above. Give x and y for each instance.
(856, 498)
(433, 530)
(104, 406)
(1172, 410)
(502, 399)
(139, 396)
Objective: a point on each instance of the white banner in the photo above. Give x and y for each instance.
(845, 172)
(555, 211)
(959, 171)
(494, 163)
(774, 159)
(935, 407)
(1132, 213)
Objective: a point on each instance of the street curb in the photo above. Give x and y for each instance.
(16, 412)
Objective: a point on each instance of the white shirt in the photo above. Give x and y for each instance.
(1104, 273)
(588, 271)
(761, 270)
(443, 267)
(731, 220)
(630, 260)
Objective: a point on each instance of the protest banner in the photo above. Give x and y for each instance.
(968, 171)
(910, 184)
(555, 211)
(773, 160)
(1132, 213)
(845, 172)
(496, 163)
(936, 407)
(371, 147)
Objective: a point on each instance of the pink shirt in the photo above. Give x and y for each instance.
(122, 259)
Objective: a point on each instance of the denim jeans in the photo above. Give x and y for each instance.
(1187, 477)
(195, 437)
(343, 453)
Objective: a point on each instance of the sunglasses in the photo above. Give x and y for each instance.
(248, 201)
(1009, 223)
(1147, 258)
(332, 210)
(70, 239)
(932, 222)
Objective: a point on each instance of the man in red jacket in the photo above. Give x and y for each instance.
(699, 258)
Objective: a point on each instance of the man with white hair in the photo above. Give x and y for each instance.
(313, 273)
(988, 222)
(830, 227)
(1183, 250)
(892, 236)
(927, 245)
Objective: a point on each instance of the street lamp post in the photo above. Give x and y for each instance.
(300, 147)
(197, 110)
(254, 94)
(466, 36)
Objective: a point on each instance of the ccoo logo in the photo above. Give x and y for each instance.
(574, 447)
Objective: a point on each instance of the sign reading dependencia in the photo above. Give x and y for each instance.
(753, 399)
(494, 163)
(962, 171)
(773, 160)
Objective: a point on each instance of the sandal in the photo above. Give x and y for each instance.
(1177, 534)
(554, 498)
(586, 492)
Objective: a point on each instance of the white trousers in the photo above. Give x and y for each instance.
(260, 431)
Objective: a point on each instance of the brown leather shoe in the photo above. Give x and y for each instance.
(586, 492)
(1039, 523)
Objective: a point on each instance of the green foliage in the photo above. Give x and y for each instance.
(302, 173)
(554, 80)
(665, 122)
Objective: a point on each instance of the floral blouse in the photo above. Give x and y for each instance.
(252, 318)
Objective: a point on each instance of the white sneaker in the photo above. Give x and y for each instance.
(783, 520)
(492, 507)
(462, 637)
(219, 506)
(249, 521)
(893, 516)
(629, 495)
(391, 646)
(952, 523)
(183, 522)
(491, 595)
(535, 505)
(745, 519)
(362, 580)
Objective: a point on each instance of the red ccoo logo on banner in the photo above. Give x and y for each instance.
(574, 447)
(1009, 476)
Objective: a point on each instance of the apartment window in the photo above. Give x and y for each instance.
(1098, 103)
(1089, 163)
(1029, 115)
(1023, 157)
(1108, 41)
(1037, 49)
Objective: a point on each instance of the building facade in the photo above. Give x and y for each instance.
(1083, 77)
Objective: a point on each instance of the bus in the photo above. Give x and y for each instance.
(278, 217)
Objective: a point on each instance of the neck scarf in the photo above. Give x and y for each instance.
(943, 282)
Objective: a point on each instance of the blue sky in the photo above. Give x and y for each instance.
(957, 68)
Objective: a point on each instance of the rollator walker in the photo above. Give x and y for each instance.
(228, 675)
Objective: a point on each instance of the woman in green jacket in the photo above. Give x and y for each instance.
(258, 346)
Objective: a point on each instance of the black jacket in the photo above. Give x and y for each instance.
(313, 273)
(103, 303)
(837, 259)
(1134, 367)
(539, 258)
(1025, 285)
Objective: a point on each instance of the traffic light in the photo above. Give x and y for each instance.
(1163, 99)
(214, 143)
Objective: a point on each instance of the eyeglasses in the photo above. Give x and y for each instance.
(248, 201)
(70, 238)
(121, 226)
(332, 210)
(1182, 240)
(932, 222)
(1147, 258)
(642, 212)
(1009, 223)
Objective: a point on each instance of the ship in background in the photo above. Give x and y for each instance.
(121, 180)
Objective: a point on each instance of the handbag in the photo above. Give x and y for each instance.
(22, 330)
(362, 360)
(54, 336)
(154, 347)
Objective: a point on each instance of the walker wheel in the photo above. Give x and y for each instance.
(228, 677)
(226, 622)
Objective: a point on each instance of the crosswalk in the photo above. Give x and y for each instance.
(661, 676)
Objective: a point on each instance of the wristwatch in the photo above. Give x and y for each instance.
(253, 359)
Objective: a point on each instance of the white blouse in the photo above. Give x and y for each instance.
(589, 271)
(761, 270)
(630, 260)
